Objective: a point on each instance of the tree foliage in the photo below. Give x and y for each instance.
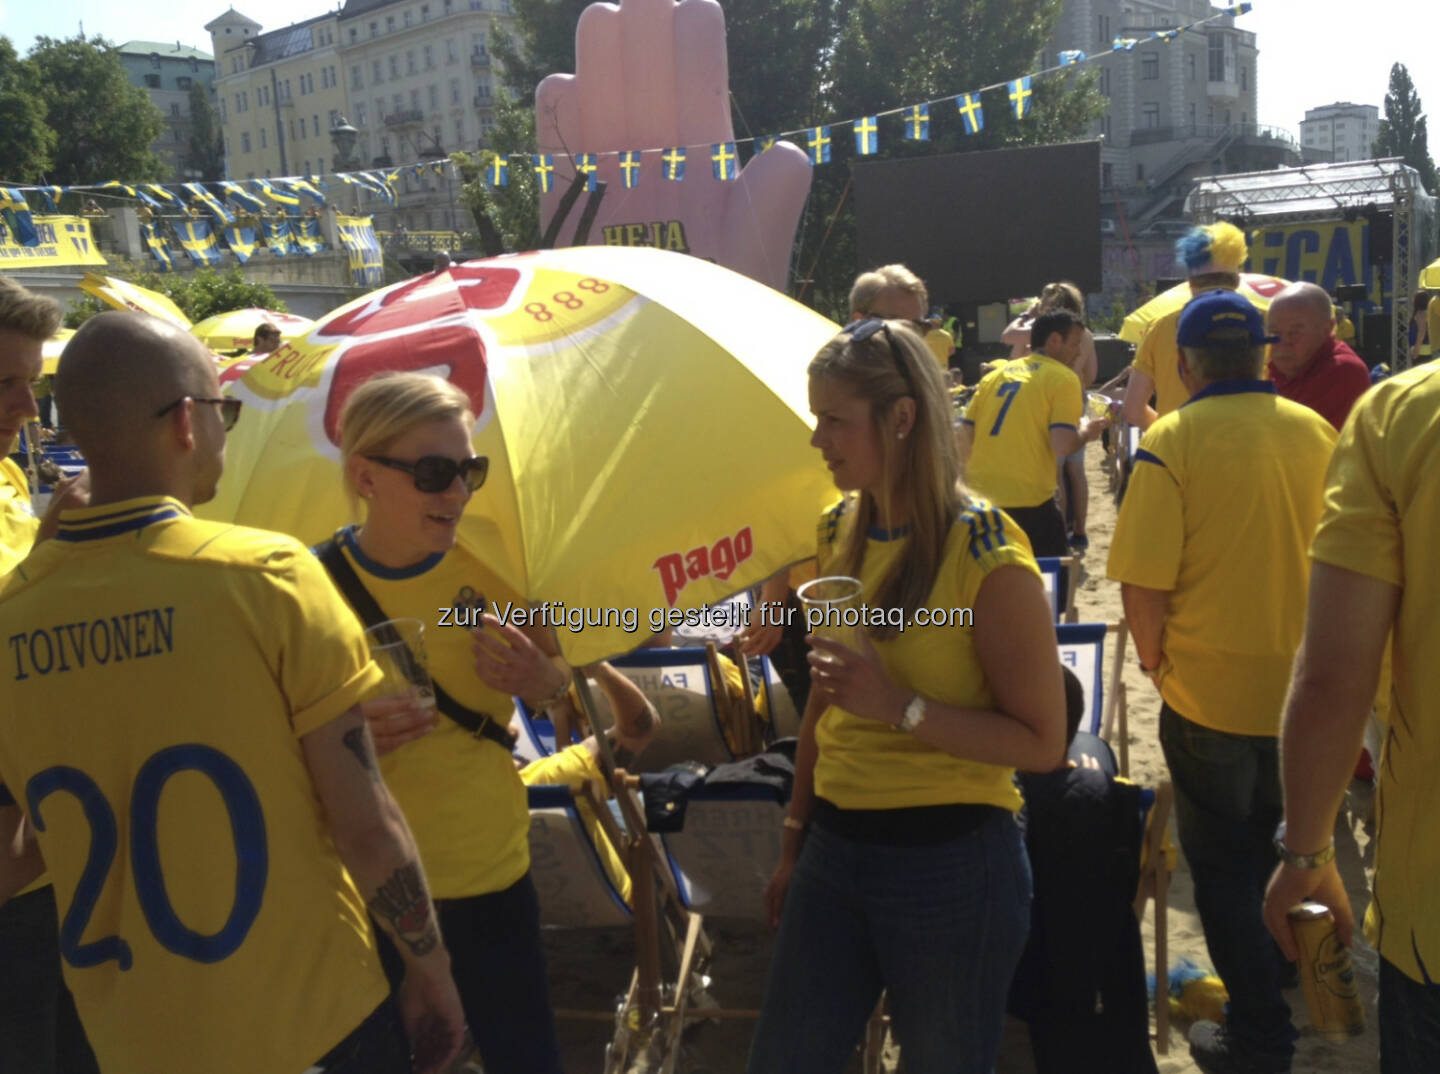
(205, 146)
(506, 218)
(199, 294)
(1403, 130)
(104, 125)
(26, 140)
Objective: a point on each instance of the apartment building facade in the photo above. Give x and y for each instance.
(166, 71)
(1347, 131)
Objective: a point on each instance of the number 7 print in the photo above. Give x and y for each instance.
(1010, 389)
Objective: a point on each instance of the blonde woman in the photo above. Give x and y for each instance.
(405, 441)
(903, 867)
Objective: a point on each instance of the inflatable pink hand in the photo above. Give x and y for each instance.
(652, 74)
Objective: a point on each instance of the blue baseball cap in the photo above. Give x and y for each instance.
(1221, 318)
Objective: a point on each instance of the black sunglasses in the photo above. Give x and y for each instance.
(229, 408)
(860, 331)
(435, 473)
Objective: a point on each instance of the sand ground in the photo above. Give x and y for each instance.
(589, 969)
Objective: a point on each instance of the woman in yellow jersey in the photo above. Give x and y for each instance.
(903, 867)
(405, 441)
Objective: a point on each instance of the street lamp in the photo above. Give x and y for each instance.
(343, 136)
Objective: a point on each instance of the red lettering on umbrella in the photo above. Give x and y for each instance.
(677, 569)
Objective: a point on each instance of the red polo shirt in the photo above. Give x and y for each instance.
(1330, 384)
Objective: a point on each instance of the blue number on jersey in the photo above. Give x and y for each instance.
(1010, 389)
(247, 825)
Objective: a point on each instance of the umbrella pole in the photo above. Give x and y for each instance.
(32, 445)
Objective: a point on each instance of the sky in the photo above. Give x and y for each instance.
(1312, 52)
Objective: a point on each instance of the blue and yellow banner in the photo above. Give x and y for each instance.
(242, 241)
(60, 240)
(367, 262)
(198, 241)
(1331, 254)
(278, 236)
(306, 230)
(159, 249)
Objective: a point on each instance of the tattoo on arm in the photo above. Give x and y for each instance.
(357, 741)
(405, 903)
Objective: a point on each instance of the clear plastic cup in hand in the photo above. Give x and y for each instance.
(832, 609)
(398, 646)
(1099, 406)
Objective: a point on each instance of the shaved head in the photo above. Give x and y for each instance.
(118, 370)
(1303, 318)
(1309, 297)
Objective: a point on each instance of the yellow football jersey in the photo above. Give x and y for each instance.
(1220, 509)
(1158, 356)
(161, 672)
(1011, 459)
(18, 523)
(864, 764)
(461, 794)
(1382, 506)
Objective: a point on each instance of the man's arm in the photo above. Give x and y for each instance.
(1138, 390)
(20, 861)
(1346, 628)
(1066, 441)
(964, 443)
(376, 846)
(636, 720)
(1145, 611)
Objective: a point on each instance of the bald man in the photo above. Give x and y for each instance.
(1308, 364)
(211, 920)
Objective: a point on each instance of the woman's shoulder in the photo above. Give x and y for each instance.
(832, 518)
(987, 537)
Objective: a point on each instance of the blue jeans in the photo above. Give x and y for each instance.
(940, 926)
(1227, 806)
(1409, 1023)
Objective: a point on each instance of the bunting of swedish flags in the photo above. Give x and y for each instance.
(630, 168)
(161, 193)
(723, 161)
(50, 195)
(1165, 35)
(241, 197)
(116, 184)
(1071, 56)
(1238, 9)
(817, 145)
(544, 165)
(1020, 94)
(971, 112)
(280, 197)
(585, 165)
(867, 136)
(672, 163)
(765, 141)
(1124, 44)
(497, 171)
(917, 123)
(211, 202)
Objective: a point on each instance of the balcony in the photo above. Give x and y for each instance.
(1223, 89)
(409, 117)
(1247, 132)
(482, 102)
(284, 100)
(480, 58)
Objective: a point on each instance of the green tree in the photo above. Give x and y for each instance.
(205, 148)
(199, 294)
(1403, 130)
(506, 218)
(104, 126)
(26, 141)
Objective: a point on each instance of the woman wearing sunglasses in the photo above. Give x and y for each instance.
(902, 866)
(407, 455)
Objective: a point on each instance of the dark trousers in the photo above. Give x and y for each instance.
(1044, 526)
(40, 1031)
(1409, 1023)
(1227, 806)
(499, 968)
(376, 1046)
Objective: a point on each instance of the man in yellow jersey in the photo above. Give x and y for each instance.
(1025, 416)
(1212, 257)
(39, 1029)
(1374, 580)
(1209, 549)
(202, 852)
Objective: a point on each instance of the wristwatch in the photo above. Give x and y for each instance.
(1302, 861)
(914, 714)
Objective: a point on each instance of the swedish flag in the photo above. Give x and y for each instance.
(544, 165)
(1020, 94)
(1124, 44)
(50, 195)
(306, 230)
(301, 186)
(1072, 56)
(765, 141)
(280, 197)
(17, 212)
(198, 241)
(917, 123)
(867, 136)
(155, 242)
(497, 171)
(116, 184)
(585, 165)
(278, 236)
(1238, 9)
(972, 112)
(241, 197)
(211, 202)
(672, 163)
(1165, 35)
(160, 192)
(723, 160)
(630, 168)
(817, 145)
(241, 241)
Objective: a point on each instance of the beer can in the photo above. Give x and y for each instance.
(1331, 994)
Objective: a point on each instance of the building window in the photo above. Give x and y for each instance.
(375, 75)
(1190, 67)
(182, 83)
(389, 24)
(1105, 80)
(244, 141)
(407, 16)
(262, 138)
(429, 57)
(356, 80)
(1107, 176)
(354, 35)
(1244, 78)
(398, 102)
(414, 100)
(302, 127)
(360, 115)
(452, 54)
(1150, 115)
(374, 29)
(394, 66)
(410, 61)
(307, 168)
(459, 131)
(194, 64)
(316, 126)
(152, 81)
(1190, 114)
(1149, 66)
(455, 96)
(155, 60)
(434, 98)
(424, 12)
(175, 109)
(1139, 173)
(1217, 58)
(482, 90)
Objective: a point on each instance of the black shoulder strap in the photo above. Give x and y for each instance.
(479, 724)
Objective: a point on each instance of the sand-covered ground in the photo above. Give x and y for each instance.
(589, 969)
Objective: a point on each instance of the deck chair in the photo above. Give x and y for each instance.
(685, 687)
(1155, 869)
(574, 887)
(728, 848)
(1082, 650)
(1052, 570)
(784, 716)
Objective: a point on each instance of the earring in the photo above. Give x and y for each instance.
(899, 436)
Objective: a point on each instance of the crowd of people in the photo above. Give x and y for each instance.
(379, 914)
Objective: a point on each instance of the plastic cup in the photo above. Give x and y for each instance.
(1098, 406)
(398, 646)
(832, 608)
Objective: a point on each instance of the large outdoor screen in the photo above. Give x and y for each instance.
(983, 226)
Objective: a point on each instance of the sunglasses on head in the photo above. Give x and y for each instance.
(860, 331)
(229, 408)
(436, 473)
